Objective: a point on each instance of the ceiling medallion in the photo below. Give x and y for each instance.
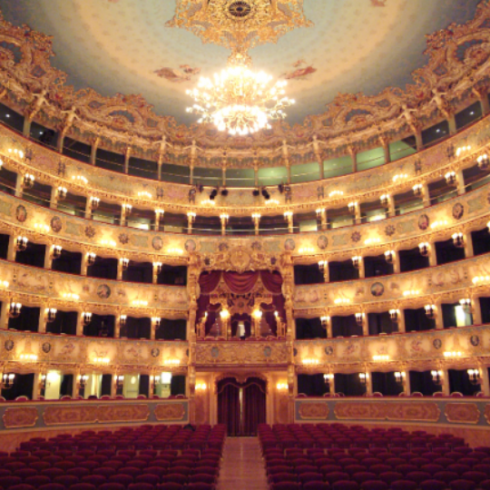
(238, 100)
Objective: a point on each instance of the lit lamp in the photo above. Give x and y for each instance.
(119, 383)
(94, 202)
(62, 192)
(474, 375)
(390, 256)
(122, 320)
(225, 316)
(324, 319)
(14, 309)
(50, 314)
(127, 208)
(29, 180)
(450, 178)
(430, 311)
(352, 207)
(483, 161)
(356, 261)
(86, 318)
(394, 315)
(399, 377)
(56, 251)
(159, 213)
(385, 200)
(436, 377)
(157, 321)
(328, 378)
(21, 243)
(424, 249)
(322, 265)
(465, 304)
(158, 267)
(91, 258)
(458, 240)
(360, 319)
(363, 377)
(82, 380)
(8, 380)
(418, 190)
(124, 263)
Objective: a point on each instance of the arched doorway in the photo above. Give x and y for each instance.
(241, 406)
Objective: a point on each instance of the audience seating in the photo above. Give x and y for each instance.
(339, 457)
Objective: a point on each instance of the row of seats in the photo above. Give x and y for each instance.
(146, 458)
(378, 459)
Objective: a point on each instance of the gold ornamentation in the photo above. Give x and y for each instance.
(70, 415)
(122, 413)
(313, 411)
(466, 413)
(169, 411)
(19, 417)
(239, 25)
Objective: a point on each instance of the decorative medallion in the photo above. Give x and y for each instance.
(190, 245)
(90, 231)
(466, 413)
(155, 352)
(475, 340)
(256, 246)
(267, 351)
(157, 243)
(223, 247)
(15, 418)
(390, 230)
(458, 210)
(437, 343)
(377, 289)
(240, 259)
(9, 345)
(424, 222)
(56, 224)
(289, 245)
(46, 347)
(21, 213)
(215, 352)
(103, 291)
(329, 350)
(239, 23)
(356, 236)
(170, 411)
(322, 242)
(312, 411)
(123, 238)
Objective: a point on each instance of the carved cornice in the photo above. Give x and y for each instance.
(455, 72)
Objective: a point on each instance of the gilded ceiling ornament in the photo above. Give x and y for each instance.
(239, 24)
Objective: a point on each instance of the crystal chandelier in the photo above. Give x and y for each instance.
(238, 100)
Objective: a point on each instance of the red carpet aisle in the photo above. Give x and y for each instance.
(242, 467)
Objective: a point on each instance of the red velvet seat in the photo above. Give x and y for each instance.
(374, 485)
(112, 486)
(462, 485)
(52, 486)
(37, 480)
(345, 485)
(404, 485)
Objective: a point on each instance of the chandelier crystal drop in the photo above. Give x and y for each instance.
(238, 100)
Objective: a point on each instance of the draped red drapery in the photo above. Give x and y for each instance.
(241, 284)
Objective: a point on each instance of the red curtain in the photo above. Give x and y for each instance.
(229, 406)
(254, 411)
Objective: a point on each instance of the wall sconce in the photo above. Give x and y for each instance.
(282, 386)
(257, 314)
(42, 381)
(14, 309)
(319, 213)
(381, 357)
(29, 180)
(171, 362)
(224, 218)
(101, 360)
(336, 194)
(157, 321)
(465, 304)
(311, 362)
(94, 202)
(159, 213)
(453, 354)
(127, 208)
(28, 357)
(91, 258)
(62, 192)
(394, 315)
(424, 249)
(158, 267)
(450, 178)
(256, 217)
(418, 190)
(477, 280)
(458, 240)
(363, 377)
(139, 303)
(201, 386)
(352, 206)
(82, 380)
(122, 320)
(430, 311)
(288, 214)
(86, 318)
(145, 194)
(4, 284)
(399, 377)
(56, 251)
(360, 319)
(342, 301)
(119, 380)
(325, 319)
(322, 265)
(462, 149)
(436, 377)
(21, 243)
(191, 216)
(483, 161)
(385, 200)
(224, 314)
(8, 380)
(50, 314)
(474, 375)
(124, 263)
(80, 180)
(328, 378)
(390, 256)
(356, 261)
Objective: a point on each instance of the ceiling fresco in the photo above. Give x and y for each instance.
(128, 46)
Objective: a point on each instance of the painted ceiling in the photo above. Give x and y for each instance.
(125, 46)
